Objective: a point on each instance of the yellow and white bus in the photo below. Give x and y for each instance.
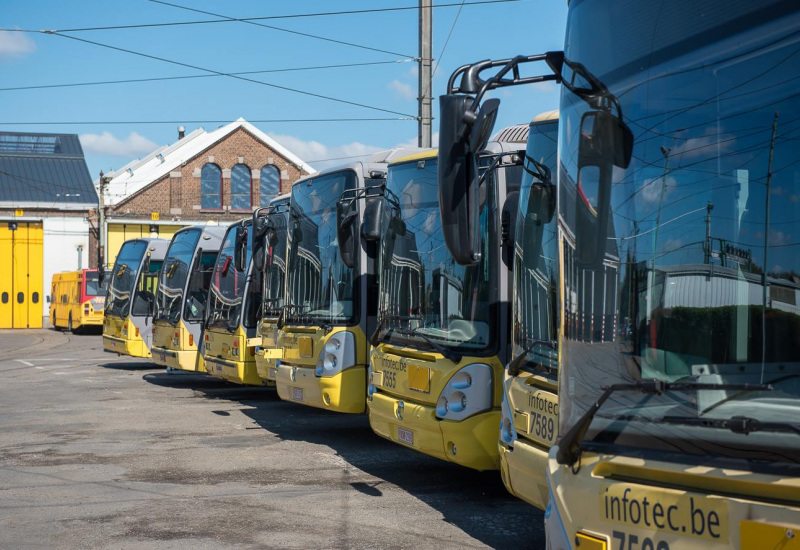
(77, 299)
(130, 303)
(438, 356)
(268, 353)
(181, 297)
(234, 306)
(331, 286)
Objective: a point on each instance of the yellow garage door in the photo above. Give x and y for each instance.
(21, 266)
(118, 233)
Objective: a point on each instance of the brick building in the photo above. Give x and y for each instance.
(221, 176)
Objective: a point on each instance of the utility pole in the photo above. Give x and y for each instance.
(425, 61)
(101, 224)
(766, 250)
(709, 208)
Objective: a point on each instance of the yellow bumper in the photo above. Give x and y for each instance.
(266, 363)
(188, 360)
(134, 348)
(345, 392)
(238, 372)
(524, 470)
(474, 440)
(92, 320)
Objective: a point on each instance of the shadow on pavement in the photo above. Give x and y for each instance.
(475, 502)
(132, 364)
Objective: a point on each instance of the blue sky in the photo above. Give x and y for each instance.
(482, 31)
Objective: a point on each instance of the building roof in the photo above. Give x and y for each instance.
(44, 171)
(138, 174)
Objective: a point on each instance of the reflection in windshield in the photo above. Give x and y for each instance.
(173, 276)
(123, 278)
(536, 252)
(320, 288)
(695, 272)
(422, 287)
(227, 289)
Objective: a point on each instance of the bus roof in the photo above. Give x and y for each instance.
(420, 155)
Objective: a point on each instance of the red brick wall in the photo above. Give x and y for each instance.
(176, 196)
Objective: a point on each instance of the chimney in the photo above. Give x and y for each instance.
(181, 132)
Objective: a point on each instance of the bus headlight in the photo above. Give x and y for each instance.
(468, 393)
(508, 434)
(338, 354)
(370, 385)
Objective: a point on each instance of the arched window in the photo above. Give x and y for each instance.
(240, 188)
(270, 183)
(211, 187)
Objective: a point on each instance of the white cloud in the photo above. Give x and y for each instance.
(402, 89)
(15, 44)
(108, 144)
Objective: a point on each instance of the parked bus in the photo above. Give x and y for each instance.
(331, 286)
(679, 386)
(268, 353)
(234, 304)
(130, 303)
(77, 299)
(181, 297)
(438, 356)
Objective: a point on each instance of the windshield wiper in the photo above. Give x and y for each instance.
(375, 339)
(737, 424)
(514, 365)
(569, 444)
(448, 354)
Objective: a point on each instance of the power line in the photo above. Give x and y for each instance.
(163, 78)
(272, 121)
(308, 35)
(264, 18)
(181, 64)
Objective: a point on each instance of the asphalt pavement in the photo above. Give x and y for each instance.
(100, 451)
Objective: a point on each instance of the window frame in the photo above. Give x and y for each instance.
(202, 193)
(261, 196)
(250, 189)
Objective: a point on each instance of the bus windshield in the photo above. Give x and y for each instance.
(275, 265)
(123, 278)
(172, 279)
(536, 254)
(93, 286)
(425, 294)
(683, 262)
(320, 288)
(227, 289)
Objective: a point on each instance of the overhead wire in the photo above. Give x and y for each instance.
(237, 77)
(203, 121)
(262, 18)
(281, 29)
(238, 73)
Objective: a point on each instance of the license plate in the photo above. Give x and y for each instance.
(272, 373)
(297, 394)
(405, 436)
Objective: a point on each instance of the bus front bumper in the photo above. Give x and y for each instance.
(188, 360)
(523, 470)
(267, 361)
(471, 442)
(123, 346)
(345, 392)
(238, 372)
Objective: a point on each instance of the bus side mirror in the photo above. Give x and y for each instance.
(347, 230)
(240, 249)
(226, 266)
(260, 228)
(461, 134)
(604, 142)
(373, 219)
